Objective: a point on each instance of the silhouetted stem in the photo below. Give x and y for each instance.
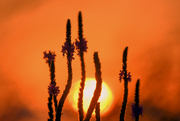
(52, 71)
(137, 99)
(55, 102)
(65, 93)
(97, 111)
(97, 91)
(83, 73)
(122, 114)
(52, 76)
(50, 108)
(82, 84)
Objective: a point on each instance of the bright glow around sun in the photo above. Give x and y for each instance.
(105, 99)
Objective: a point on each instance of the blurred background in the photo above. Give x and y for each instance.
(150, 28)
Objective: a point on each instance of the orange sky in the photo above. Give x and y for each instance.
(151, 30)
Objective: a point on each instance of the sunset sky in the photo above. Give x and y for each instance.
(150, 29)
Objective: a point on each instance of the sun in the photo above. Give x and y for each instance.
(105, 99)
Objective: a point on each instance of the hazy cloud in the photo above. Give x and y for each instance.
(10, 7)
(12, 107)
(154, 113)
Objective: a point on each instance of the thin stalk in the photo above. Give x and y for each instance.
(124, 103)
(83, 72)
(97, 111)
(98, 89)
(69, 80)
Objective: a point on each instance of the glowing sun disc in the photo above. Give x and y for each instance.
(105, 99)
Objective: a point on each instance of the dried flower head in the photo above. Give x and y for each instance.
(53, 89)
(136, 110)
(68, 48)
(121, 74)
(129, 77)
(49, 56)
(81, 45)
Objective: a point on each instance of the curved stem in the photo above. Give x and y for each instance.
(97, 91)
(65, 93)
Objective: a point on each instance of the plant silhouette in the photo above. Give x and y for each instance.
(125, 85)
(81, 47)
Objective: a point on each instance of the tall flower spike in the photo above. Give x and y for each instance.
(50, 57)
(82, 46)
(68, 47)
(136, 109)
(124, 103)
(80, 25)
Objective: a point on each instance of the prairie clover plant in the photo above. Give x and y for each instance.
(122, 114)
(53, 90)
(136, 110)
(69, 49)
(50, 57)
(81, 46)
